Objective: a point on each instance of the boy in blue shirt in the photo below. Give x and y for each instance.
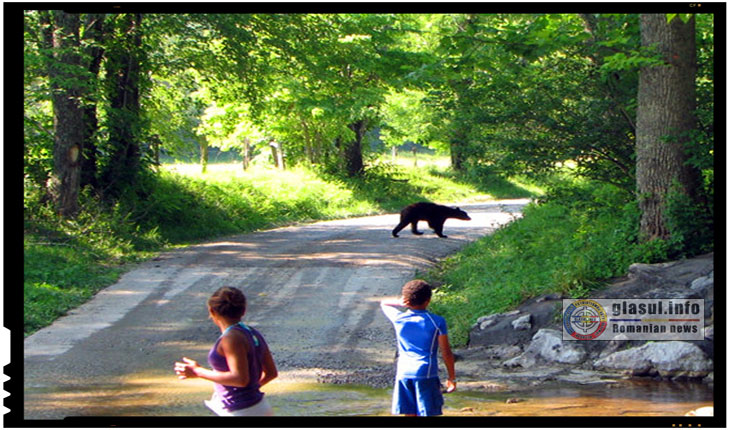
(420, 334)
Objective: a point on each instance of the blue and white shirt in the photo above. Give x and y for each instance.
(417, 332)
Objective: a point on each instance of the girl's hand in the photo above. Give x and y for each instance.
(187, 369)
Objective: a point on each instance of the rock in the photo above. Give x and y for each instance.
(613, 345)
(495, 316)
(674, 276)
(649, 273)
(521, 361)
(526, 343)
(522, 323)
(672, 359)
(486, 323)
(548, 297)
(671, 292)
(489, 320)
(709, 312)
(501, 329)
(587, 377)
(548, 345)
(703, 283)
(502, 352)
(704, 286)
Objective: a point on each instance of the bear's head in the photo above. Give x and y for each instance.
(460, 214)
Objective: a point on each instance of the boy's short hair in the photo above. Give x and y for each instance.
(416, 292)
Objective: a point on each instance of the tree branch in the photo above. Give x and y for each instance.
(38, 126)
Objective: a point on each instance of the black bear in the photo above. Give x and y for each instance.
(431, 212)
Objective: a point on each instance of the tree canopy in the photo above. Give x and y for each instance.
(500, 93)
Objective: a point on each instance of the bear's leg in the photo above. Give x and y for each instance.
(414, 228)
(438, 227)
(399, 227)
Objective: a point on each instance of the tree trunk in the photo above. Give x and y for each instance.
(68, 124)
(665, 115)
(457, 153)
(353, 150)
(203, 143)
(308, 142)
(278, 154)
(246, 153)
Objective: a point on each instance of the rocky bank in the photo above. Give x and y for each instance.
(524, 347)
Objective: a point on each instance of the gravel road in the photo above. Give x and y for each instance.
(313, 292)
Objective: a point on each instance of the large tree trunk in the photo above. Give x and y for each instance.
(68, 127)
(665, 115)
(353, 150)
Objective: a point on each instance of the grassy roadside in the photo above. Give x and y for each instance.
(67, 261)
(583, 234)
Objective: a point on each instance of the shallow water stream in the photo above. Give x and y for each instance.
(163, 395)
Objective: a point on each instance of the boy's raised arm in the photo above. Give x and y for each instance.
(389, 306)
(393, 301)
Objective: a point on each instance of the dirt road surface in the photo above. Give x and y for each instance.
(313, 292)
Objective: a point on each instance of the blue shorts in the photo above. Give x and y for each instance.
(420, 397)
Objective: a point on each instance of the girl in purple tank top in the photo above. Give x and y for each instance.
(240, 359)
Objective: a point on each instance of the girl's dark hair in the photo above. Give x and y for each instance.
(416, 292)
(228, 302)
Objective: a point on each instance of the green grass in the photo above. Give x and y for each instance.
(223, 202)
(67, 261)
(58, 278)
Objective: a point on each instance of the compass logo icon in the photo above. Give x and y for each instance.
(585, 319)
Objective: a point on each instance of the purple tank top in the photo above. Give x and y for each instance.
(235, 398)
